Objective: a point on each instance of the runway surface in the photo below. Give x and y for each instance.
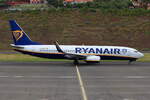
(64, 81)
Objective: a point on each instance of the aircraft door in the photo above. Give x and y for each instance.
(129, 53)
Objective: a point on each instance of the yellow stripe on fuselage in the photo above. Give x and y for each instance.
(78, 54)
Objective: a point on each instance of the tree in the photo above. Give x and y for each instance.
(55, 3)
(3, 3)
(146, 1)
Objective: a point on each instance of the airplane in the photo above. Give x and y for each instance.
(89, 54)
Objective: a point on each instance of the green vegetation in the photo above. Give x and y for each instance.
(3, 3)
(127, 12)
(27, 7)
(103, 22)
(114, 7)
(103, 4)
(56, 3)
(23, 58)
(146, 1)
(27, 58)
(79, 27)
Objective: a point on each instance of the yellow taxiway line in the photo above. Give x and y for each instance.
(81, 84)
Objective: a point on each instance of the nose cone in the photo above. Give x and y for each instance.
(141, 55)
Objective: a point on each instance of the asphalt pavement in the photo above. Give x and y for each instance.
(65, 81)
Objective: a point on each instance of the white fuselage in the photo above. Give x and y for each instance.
(109, 52)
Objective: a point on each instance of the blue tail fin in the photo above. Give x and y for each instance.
(19, 36)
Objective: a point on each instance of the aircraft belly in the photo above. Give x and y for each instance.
(61, 56)
(43, 55)
(116, 58)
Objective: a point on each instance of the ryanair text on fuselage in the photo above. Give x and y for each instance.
(100, 50)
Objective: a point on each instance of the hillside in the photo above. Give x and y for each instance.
(77, 27)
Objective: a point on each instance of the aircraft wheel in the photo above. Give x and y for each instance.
(75, 62)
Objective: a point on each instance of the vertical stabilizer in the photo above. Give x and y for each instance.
(19, 36)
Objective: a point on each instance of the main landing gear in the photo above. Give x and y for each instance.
(76, 62)
(130, 61)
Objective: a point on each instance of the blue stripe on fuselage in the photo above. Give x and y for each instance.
(43, 55)
(61, 56)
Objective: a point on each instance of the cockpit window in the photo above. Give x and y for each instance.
(136, 51)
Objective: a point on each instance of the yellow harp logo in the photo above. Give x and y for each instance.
(17, 34)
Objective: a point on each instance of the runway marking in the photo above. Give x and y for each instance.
(18, 76)
(127, 99)
(103, 77)
(81, 84)
(61, 77)
(44, 99)
(3, 76)
(136, 77)
(70, 77)
(57, 77)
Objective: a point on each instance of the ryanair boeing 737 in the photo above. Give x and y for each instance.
(90, 54)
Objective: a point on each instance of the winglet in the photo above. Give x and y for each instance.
(58, 47)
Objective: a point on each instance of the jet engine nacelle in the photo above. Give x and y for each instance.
(93, 59)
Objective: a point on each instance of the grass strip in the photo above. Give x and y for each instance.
(24, 58)
(146, 58)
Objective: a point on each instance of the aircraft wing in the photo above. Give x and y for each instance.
(69, 55)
